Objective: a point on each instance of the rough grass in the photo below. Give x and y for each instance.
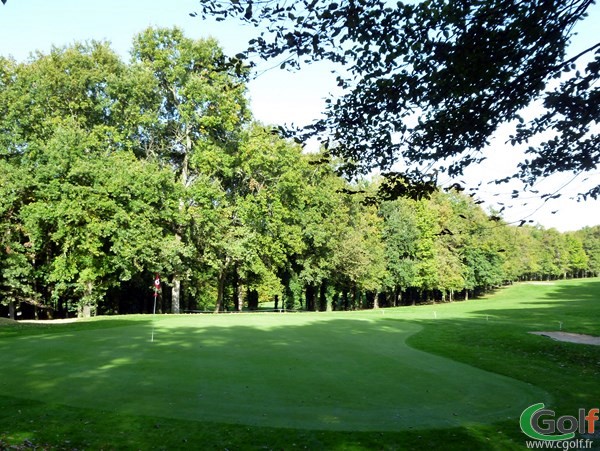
(452, 375)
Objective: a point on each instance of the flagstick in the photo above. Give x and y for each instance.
(153, 314)
(156, 286)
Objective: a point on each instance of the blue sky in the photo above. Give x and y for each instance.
(276, 96)
(28, 25)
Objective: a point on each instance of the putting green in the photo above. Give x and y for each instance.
(310, 371)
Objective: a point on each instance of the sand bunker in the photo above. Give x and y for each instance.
(570, 337)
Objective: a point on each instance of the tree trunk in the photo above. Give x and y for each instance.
(85, 310)
(336, 301)
(252, 300)
(324, 305)
(220, 291)
(239, 300)
(309, 294)
(175, 293)
(376, 301)
(237, 290)
(11, 310)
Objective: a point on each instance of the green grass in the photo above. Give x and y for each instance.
(448, 375)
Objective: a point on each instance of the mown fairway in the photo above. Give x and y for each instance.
(451, 375)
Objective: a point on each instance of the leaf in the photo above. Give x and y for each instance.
(248, 14)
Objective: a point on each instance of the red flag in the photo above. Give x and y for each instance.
(157, 282)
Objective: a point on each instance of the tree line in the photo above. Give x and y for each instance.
(112, 172)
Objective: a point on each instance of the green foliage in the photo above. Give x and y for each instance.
(95, 219)
(400, 235)
(590, 239)
(112, 172)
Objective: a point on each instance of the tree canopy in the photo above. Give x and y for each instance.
(111, 172)
(428, 83)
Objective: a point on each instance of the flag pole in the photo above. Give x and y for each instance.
(155, 295)
(156, 289)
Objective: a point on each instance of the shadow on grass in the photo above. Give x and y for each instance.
(497, 339)
(42, 327)
(216, 382)
(311, 373)
(50, 426)
(572, 306)
(315, 374)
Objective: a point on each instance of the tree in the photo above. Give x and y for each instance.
(47, 105)
(430, 82)
(359, 257)
(64, 128)
(95, 218)
(554, 253)
(73, 83)
(400, 235)
(110, 172)
(247, 217)
(525, 251)
(17, 265)
(590, 237)
(323, 219)
(198, 110)
(426, 274)
(269, 186)
(577, 258)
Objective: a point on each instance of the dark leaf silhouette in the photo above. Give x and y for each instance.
(468, 67)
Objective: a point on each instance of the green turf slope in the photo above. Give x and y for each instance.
(342, 371)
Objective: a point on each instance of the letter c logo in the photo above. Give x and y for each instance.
(531, 428)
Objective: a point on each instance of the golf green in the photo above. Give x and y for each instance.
(338, 371)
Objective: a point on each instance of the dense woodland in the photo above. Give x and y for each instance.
(112, 172)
